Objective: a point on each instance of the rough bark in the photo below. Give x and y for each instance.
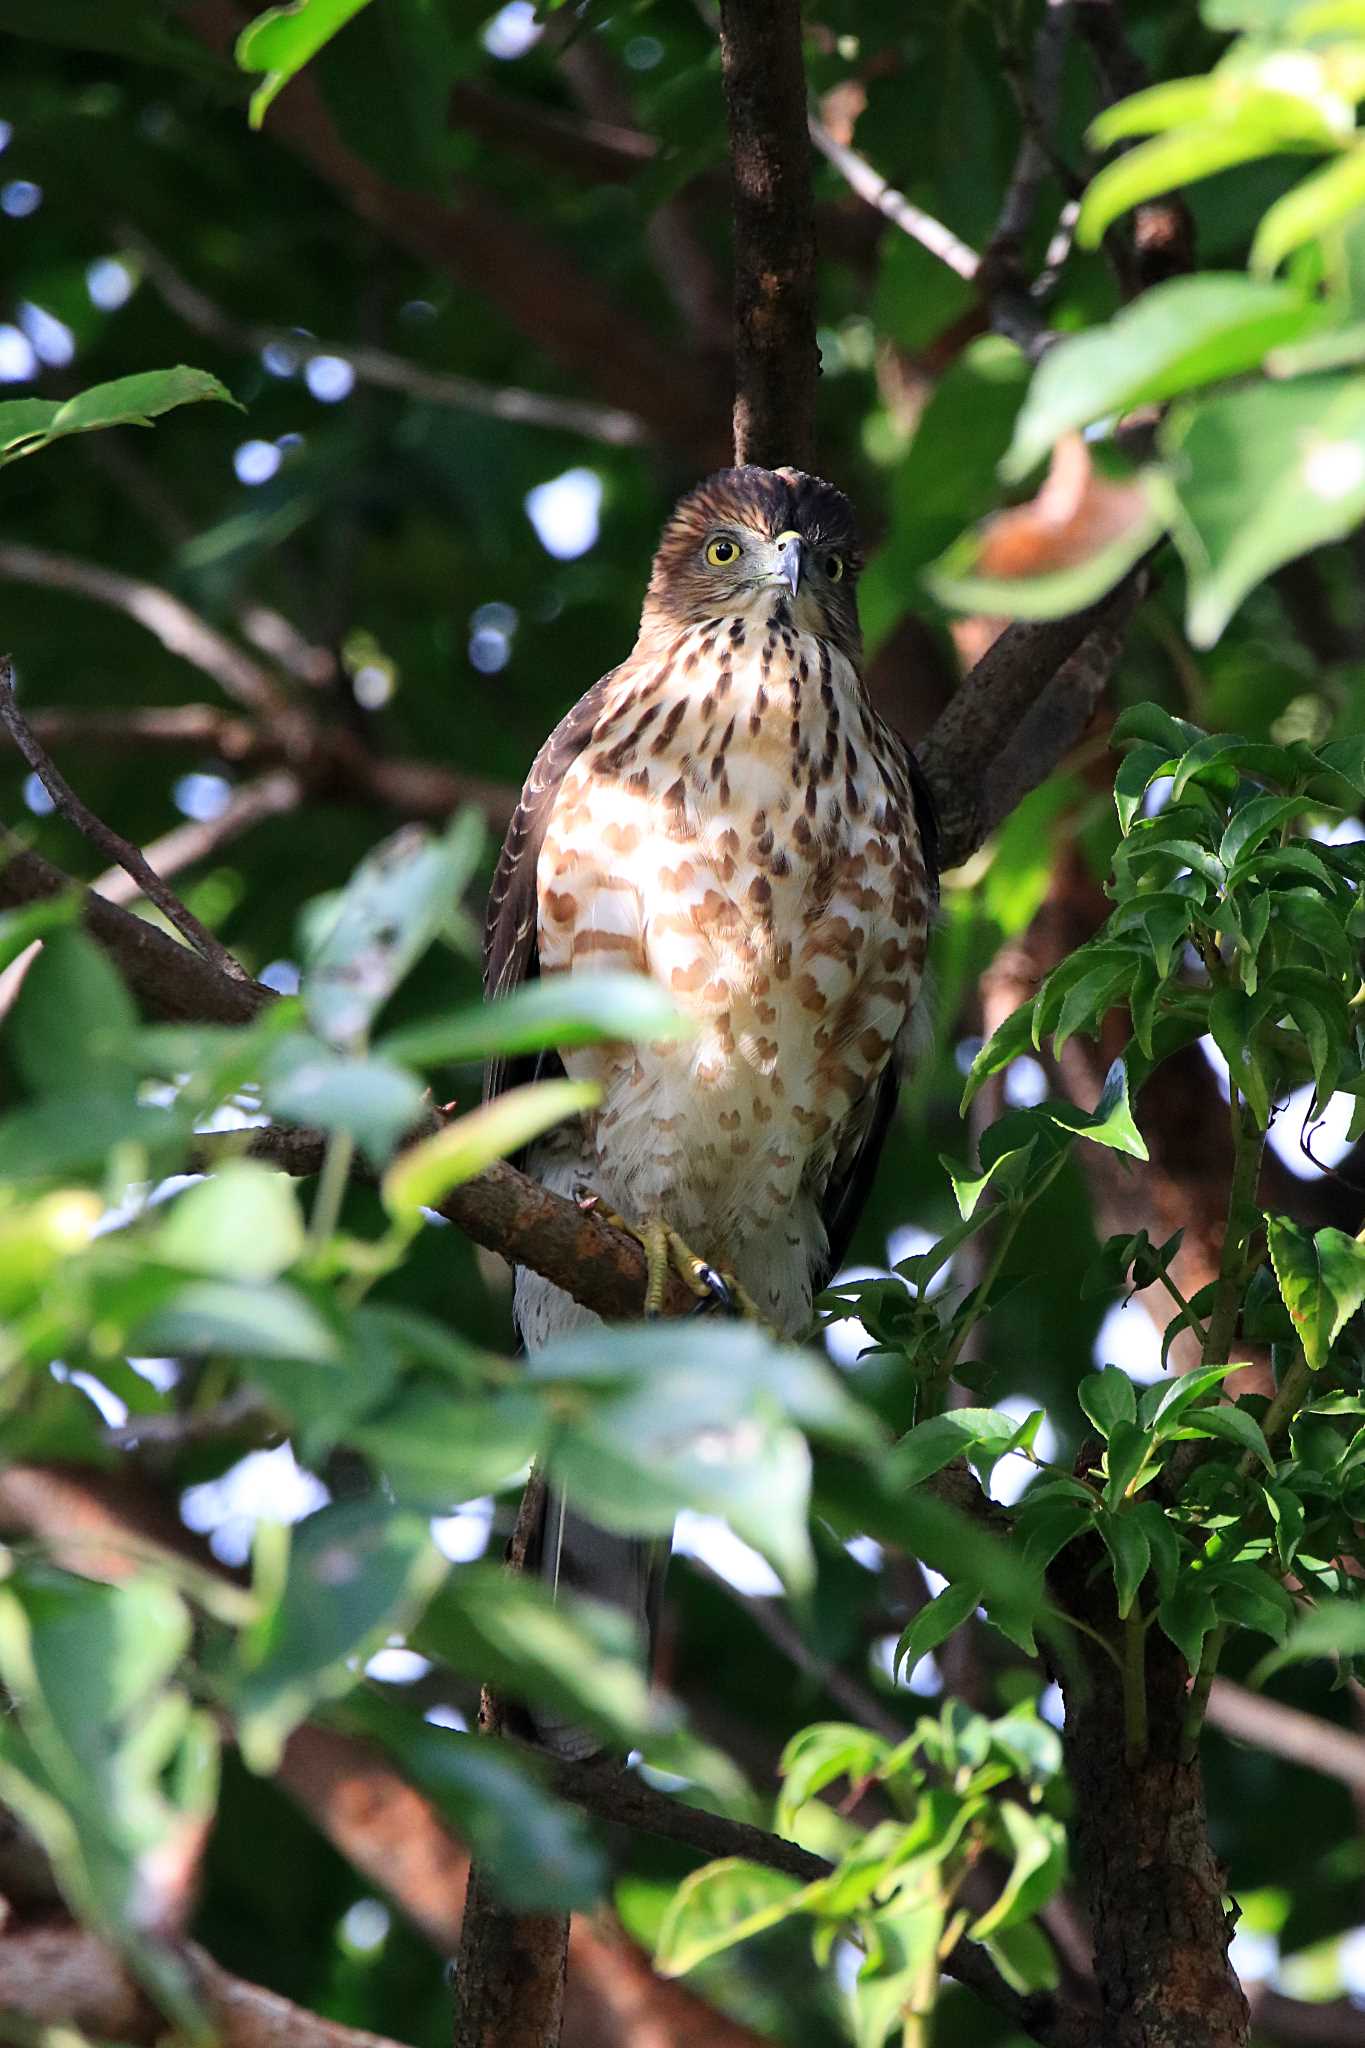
(777, 363)
(1139, 1835)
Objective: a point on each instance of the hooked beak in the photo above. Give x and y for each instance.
(791, 559)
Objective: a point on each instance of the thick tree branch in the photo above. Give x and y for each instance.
(1017, 713)
(169, 980)
(777, 363)
(64, 1977)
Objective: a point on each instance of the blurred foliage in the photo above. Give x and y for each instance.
(147, 223)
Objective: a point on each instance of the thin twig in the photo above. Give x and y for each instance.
(769, 1619)
(1038, 103)
(1287, 1732)
(379, 367)
(108, 842)
(180, 630)
(912, 220)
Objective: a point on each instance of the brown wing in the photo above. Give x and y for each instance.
(511, 954)
(848, 1188)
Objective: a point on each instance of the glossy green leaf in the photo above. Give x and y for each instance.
(1257, 476)
(1177, 336)
(283, 39)
(1233, 1424)
(1130, 1554)
(901, 1973)
(1187, 1615)
(1187, 155)
(1110, 1123)
(931, 1445)
(936, 1621)
(1107, 1397)
(28, 424)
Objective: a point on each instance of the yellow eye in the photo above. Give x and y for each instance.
(720, 551)
(834, 567)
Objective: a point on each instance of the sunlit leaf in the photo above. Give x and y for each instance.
(282, 40)
(427, 1171)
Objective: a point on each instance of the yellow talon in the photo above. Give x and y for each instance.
(667, 1252)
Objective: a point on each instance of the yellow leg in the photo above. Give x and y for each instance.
(667, 1252)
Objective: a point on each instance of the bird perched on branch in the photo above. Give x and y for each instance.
(727, 813)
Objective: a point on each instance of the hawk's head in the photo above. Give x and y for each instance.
(760, 540)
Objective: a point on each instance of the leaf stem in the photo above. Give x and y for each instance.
(331, 1189)
(1248, 1144)
(935, 1385)
(1134, 1686)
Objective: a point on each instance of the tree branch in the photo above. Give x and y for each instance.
(179, 630)
(869, 184)
(1287, 1732)
(108, 842)
(270, 796)
(63, 1977)
(1017, 712)
(380, 367)
(777, 362)
(525, 276)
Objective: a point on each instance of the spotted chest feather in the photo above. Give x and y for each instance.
(741, 827)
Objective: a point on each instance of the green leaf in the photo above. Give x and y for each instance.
(28, 424)
(398, 900)
(73, 1019)
(282, 40)
(576, 1657)
(1186, 1616)
(1011, 1038)
(420, 1177)
(1007, 1170)
(558, 1011)
(371, 1100)
(1321, 1280)
(935, 1621)
(243, 1223)
(1139, 768)
(901, 1973)
(1130, 1554)
(1177, 336)
(435, 1450)
(1107, 1397)
(717, 1906)
(1233, 1424)
(1233, 1018)
(1331, 1628)
(1110, 1123)
(1314, 205)
(1163, 1405)
(1257, 476)
(1036, 1845)
(537, 1852)
(215, 1318)
(108, 1763)
(358, 1572)
(1252, 824)
(1025, 1958)
(817, 1756)
(1195, 152)
(931, 1445)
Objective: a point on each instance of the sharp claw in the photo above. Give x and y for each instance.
(722, 1295)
